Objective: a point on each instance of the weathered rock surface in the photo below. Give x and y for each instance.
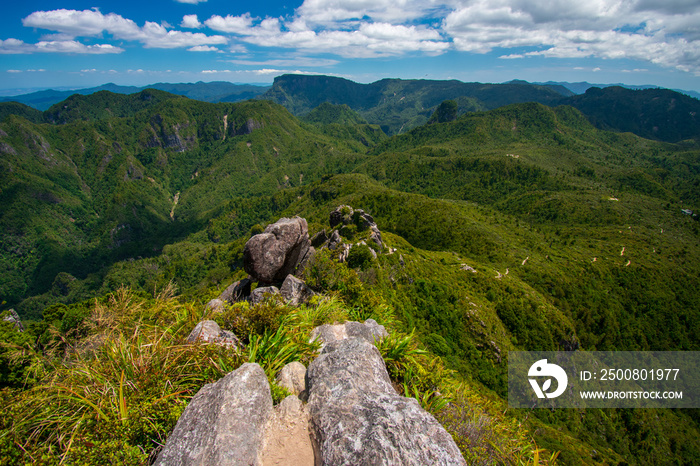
(319, 239)
(369, 331)
(237, 291)
(295, 291)
(259, 295)
(358, 418)
(287, 438)
(224, 423)
(334, 240)
(214, 306)
(14, 319)
(277, 252)
(292, 377)
(209, 331)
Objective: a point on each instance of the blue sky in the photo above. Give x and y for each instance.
(81, 43)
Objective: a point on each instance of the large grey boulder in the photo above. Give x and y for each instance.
(369, 331)
(295, 291)
(224, 423)
(358, 418)
(277, 252)
(208, 331)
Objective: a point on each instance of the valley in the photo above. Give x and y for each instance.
(522, 220)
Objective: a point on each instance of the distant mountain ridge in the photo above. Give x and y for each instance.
(401, 105)
(398, 105)
(583, 86)
(217, 91)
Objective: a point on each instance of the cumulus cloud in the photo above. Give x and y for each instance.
(330, 12)
(203, 48)
(16, 46)
(190, 22)
(92, 23)
(231, 24)
(667, 35)
(664, 33)
(366, 39)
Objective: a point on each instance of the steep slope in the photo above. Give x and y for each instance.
(524, 227)
(651, 113)
(78, 196)
(102, 105)
(25, 111)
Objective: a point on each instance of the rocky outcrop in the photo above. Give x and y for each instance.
(293, 378)
(295, 291)
(259, 295)
(353, 414)
(209, 331)
(224, 424)
(14, 319)
(369, 331)
(358, 418)
(277, 252)
(238, 291)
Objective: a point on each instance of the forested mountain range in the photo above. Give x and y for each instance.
(400, 105)
(217, 91)
(519, 226)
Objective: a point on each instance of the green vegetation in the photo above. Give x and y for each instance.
(651, 113)
(524, 227)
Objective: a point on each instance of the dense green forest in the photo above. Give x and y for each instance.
(523, 227)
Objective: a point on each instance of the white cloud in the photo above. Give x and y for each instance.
(231, 24)
(367, 39)
(203, 48)
(667, 35)
(91, 23)
(190, 22)
(215, 71)
(15, 46)
(292, 61)
(191, 2)
(331, 12)
(14, 71)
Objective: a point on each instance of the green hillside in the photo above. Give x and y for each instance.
(218, 91)
(519, 228)
(401, 105)
(651, 113)
(398, 105)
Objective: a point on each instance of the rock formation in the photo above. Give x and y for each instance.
(238, 291)
(353, 415)
(209, 331)
(369, 331)
(224, 424)
(259, 295)
(295, 291)
(293, 378)
(277, 252)
(358, 418)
